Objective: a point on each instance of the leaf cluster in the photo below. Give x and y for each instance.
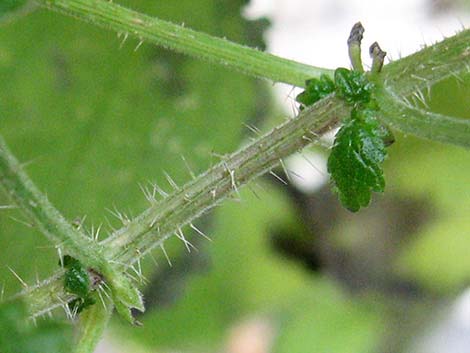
(360, 144)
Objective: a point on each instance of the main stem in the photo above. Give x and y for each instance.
(184, 40)
(91, 326)
(166, 218)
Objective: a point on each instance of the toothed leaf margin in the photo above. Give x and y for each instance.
(355, 162)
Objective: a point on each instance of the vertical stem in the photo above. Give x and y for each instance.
(61, 233)
(93, 322)
(37, 207)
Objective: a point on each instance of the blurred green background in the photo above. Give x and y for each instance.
(93, 118)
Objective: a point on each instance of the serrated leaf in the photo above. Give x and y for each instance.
(353, 86)
(356, 158)
(316, 89)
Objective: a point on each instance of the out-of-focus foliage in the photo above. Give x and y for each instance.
(247, 278)
(19, 335)
(9, 6)
(438, 257)
(92, 117)
(244, 276)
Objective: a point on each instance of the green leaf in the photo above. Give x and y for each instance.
(316, 90)
(356, 157)
(79, 304)
(76, 279)
(353, 86)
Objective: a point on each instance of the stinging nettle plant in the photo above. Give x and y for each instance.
(94, 277)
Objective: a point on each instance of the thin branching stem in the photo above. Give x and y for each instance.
(414, 120)
(184, 40)
(167, 217)
(48, 220)
(91, 326)
(414, 74)
(404, 78)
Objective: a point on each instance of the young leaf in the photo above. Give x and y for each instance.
(352, 86)
(76, 279)
(316, 90)
(356, 157)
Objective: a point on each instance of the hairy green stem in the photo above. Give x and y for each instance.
(402, 115)
(166, 217)
(46, 295)
(46, 218)
(403, 78)
(62, 234)
(184, 40)
(407, 85)
(92, 324)
(420, 71)
(412, 75)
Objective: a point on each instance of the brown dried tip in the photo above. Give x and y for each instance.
(378, 57)
(356, 34)
(376, 51)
